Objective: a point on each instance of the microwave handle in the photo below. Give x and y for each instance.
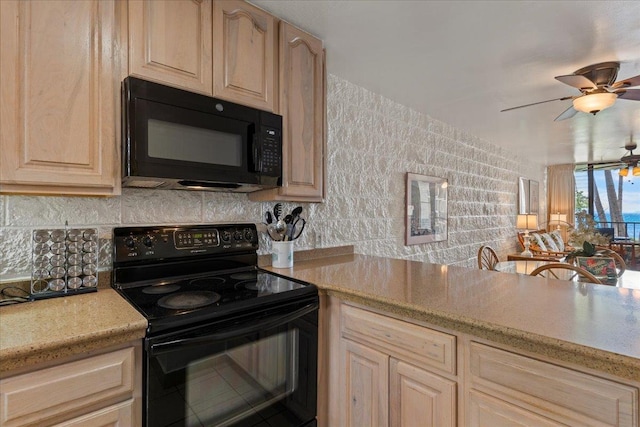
(257, 155)
(261, 325)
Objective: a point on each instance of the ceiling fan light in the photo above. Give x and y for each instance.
(623, 172)
(594, 102)
(636, 171)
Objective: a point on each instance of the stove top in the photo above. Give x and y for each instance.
(162, 299)
(178, 276)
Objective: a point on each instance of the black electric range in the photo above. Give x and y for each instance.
(227, 344)
(182, 275)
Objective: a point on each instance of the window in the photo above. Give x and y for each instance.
(612, 200)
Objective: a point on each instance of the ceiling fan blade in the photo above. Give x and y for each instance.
(577, 81)
(631, 94)
(564, 98)
(630, 82)
(566, 114)
(611, 165)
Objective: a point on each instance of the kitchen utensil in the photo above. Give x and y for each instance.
(295, 213)
(295, 235)
(281, 228)
(271, 230)
(277, 210)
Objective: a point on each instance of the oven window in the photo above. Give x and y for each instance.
(256, 380)
(167, 140)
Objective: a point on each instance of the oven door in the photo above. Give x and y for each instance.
(257, 369)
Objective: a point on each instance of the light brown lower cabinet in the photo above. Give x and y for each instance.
(100, 390)
(508, 389)
(383, 371)
(380, 388)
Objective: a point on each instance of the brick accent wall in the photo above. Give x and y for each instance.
(371, 143)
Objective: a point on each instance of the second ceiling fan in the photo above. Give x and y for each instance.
(599, 89)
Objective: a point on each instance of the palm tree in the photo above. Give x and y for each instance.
(615, 202)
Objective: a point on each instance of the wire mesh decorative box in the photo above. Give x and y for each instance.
(64, 262)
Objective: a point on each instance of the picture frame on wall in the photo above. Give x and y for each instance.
(426, 209)
(528, 196)
(534, 196)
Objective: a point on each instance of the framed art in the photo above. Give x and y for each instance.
(426, 209)
(534, 197)
(528, 196)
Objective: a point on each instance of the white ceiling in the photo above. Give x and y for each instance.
(463, 61)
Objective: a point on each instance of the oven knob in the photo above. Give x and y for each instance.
(129, 242)
(248, 235)
(237, 235)
(147, 241)
(226, 236)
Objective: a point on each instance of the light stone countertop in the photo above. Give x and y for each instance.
(40, 331)
(589, 325)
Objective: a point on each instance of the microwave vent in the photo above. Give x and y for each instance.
(143, 183)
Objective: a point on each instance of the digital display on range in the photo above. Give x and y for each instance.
(188, 239)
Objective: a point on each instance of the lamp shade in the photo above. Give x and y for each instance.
(594, 102)
(623, 172)
(636, 171)
(557, 219)
(527, 222)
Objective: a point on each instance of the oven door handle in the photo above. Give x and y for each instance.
(260, 325)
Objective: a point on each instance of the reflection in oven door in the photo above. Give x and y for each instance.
(221, 378)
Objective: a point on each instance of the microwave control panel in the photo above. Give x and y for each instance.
(271, 163)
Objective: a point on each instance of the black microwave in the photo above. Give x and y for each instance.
(175, 139)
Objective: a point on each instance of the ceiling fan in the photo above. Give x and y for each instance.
(630, 162)
(598, 87)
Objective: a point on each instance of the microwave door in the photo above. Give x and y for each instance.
(179, 143)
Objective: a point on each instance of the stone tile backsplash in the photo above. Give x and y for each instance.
(371, 143)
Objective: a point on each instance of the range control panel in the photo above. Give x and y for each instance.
(150, 243)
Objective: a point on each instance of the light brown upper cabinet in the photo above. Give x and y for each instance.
(302, 106)
(244, 59)
(60, 69)
(170, 42)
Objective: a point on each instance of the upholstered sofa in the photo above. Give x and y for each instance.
(545, 244)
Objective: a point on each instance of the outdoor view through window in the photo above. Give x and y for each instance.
(616, 200)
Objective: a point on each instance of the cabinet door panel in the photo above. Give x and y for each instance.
(301, 77)
(578, 398)
(170, 42)
(486, 411)
(416, 394)
(60, 85)
(244, 65)
(366, 373)
(27, 399)
(120, 415)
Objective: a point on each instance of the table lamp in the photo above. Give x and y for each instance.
(557, 219)
(527, 222)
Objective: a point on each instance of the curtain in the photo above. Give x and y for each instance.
(561, 191)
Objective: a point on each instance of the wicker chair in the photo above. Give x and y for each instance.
(564, 271)
(487, 258)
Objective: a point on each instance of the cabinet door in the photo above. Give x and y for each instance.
(416, 394)
(366, 376)
(302, 108)
(60, 73)
(302, 95)
(170, 42)
(244, 62)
